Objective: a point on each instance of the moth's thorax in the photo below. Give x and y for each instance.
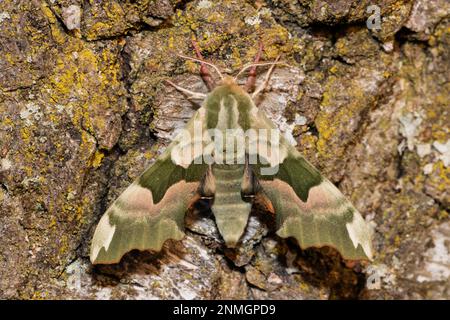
(228, 106)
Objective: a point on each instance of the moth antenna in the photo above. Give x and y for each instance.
(204, 72)
(192, 94)
(263, 85)
(202, 61)
(251, 80)
(276, 62)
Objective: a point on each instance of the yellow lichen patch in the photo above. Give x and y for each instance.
(108, 18)
(216, 17)
(52, 222)
(397, 241)
(308, 141)
(337, 116)
(97, 159)
(191, 66)
(236, 58)
(439, 132)
(96, 29)
(149, 155)
(39, 295)
(114, 10)
(443, 215)
(87, 143)
(276, 40)
(73, 210)
(213, 41)
(81, 118)
(63, 80)
(28, 170)
(25, 134)
(443, 174)
(325, 127)
(303, 286)
(88, 81)
(334, 69)
(85, 203)
(57, 33)
(9, 57)
(341, 47)
(63, 244)
(7, 122)
(54, 119)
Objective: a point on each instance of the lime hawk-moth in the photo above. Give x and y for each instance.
(253, 163)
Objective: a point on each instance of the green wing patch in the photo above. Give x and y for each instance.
(140, 220)
(310, 208)
(152, 209)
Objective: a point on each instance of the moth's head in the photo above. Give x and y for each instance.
(228, 94)
(228, 81)
(232, 85)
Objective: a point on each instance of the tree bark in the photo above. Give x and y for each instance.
(84, 110)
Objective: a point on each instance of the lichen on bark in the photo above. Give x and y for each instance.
(83, 111)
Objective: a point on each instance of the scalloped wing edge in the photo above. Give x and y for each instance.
(134, 222)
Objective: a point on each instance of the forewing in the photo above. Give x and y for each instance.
(152, 209)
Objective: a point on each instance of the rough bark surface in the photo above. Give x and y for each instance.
(84, 110)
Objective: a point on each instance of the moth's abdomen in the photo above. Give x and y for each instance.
(230, 211)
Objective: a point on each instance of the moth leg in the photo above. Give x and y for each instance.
(204, 71)
(191, 94)
(263, 85)
(251, 80)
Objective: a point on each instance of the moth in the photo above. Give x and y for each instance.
(203, 161)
